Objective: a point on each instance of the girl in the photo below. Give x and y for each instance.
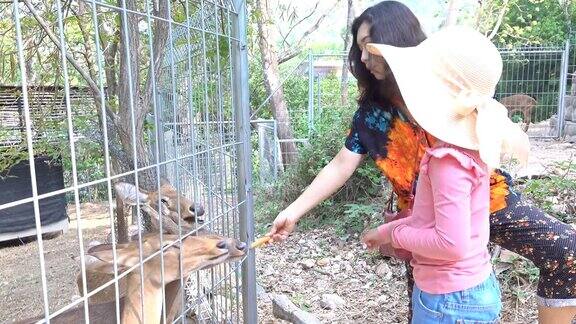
(447, 83)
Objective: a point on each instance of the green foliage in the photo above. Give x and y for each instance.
(531, 22)
(555, 194)
(349, 209)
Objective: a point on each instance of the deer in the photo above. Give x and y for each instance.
(197, 252)
(173, 205)
(521, 103)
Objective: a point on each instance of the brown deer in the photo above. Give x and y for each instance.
(520, 103)
(198, 252)
(172, 206)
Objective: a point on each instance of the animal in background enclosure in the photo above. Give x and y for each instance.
(520, 103)
(172, 205)
(197, 252)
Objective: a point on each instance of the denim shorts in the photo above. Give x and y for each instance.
(479, 305)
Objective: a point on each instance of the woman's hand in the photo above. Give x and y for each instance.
(391, 216)
(283, 225)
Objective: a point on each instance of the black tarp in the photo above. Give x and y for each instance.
(16, 185)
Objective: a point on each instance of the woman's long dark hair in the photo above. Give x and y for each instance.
(392, 23)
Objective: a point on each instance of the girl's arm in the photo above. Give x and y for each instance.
(448, 240)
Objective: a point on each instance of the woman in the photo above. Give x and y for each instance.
(380, 129)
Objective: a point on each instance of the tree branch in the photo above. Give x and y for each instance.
(299, 22)
(286, 56)
(86, 53)
(56, 42)
(500, 19)
(314, 27)
(160, 32)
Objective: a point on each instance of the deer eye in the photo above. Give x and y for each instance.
(221, 245)
(164, 200)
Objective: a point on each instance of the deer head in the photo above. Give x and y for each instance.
(171, 205)
(197, 252)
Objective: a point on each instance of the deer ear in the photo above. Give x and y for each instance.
(130, 194)
(100, 258)
(165, 183)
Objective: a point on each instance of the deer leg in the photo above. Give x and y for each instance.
(173, 295)
(528, 117)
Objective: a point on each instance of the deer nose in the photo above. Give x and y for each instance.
(241, 246)
(198, 211)
(222, 245)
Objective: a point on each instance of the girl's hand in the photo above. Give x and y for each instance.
(374, 238)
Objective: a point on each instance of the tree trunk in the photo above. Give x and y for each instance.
(347, 40)
(129, 98)
(272, 81)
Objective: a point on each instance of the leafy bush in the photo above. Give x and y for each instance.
(556, 193)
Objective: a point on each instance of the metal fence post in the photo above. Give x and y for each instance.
(275, 148)
(310, 91)
(562, 88)
(242, 114)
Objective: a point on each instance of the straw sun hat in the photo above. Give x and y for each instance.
(447, 83)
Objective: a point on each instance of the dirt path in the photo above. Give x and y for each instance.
(373, 288)
(20, 279)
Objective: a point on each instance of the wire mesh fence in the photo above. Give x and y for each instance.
(532, 86)
(536, 86)
(266, 160)
(151, 170)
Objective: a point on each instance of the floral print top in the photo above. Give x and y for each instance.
(397, 147)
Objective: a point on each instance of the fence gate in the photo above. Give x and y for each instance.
(533, 86)
(165, 126)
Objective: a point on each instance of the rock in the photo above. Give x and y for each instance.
(572, 115)
(568, 111)
(93, 243)
(570, 139)
(382, 299)
(553, 125)
(269, 270)
(261, 293)
(307, 264)
(322, 262)
(331, 301)
(349, 256)
(383, 270)
(284, 309)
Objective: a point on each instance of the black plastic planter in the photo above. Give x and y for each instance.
(18, 221)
